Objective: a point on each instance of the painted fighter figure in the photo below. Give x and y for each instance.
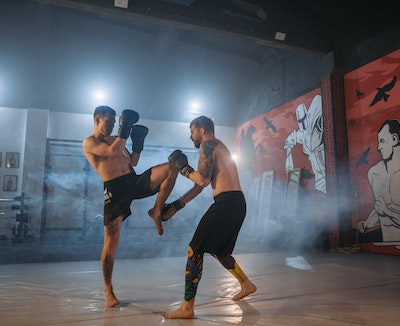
(114, 164)
(219, 227)
(384, 179)
(310, 135)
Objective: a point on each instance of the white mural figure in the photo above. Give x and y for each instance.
(310, 135)
(384, 178)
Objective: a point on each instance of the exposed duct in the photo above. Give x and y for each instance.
(242, 9)
(186, 3)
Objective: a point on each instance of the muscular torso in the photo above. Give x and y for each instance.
(216, 162)
(108, 166)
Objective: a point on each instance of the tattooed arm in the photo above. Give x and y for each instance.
(205, 170)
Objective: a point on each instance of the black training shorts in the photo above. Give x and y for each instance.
(119, 193)
(219, 227)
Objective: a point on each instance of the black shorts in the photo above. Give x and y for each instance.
(219, 227)
(119, 193)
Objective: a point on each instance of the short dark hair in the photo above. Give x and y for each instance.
(203, 122)
(394, 126)
(104, 110)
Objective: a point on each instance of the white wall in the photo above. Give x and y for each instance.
(12, 139)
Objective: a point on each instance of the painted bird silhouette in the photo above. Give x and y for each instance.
(381, 94)
(363, 158)
(359, 93)
(269, 125)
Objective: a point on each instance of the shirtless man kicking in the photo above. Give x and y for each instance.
(219, 227)
(114, 163)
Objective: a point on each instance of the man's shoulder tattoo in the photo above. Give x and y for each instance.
(208, 146)
(206, 161)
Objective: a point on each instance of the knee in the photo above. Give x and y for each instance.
(172, 172)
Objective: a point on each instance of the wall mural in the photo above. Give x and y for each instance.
(290, 136)
(309, 134)
(285, 138)
(373, 127)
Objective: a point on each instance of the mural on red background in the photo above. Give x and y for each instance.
(373, 128)
(289, 136)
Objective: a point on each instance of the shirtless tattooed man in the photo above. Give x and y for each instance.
(219, 227)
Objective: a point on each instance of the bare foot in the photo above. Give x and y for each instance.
(186, 311)
(179, 314)
(247, 288)
(157, 220)
(111, 300)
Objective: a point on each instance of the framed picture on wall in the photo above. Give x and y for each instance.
(10, 183)
(12, 160)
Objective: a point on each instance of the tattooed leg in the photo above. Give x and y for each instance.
(111, 239)
(194, 268)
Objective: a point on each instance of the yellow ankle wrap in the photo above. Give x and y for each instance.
(238, 273)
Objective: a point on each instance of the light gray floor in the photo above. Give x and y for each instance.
(293, 289)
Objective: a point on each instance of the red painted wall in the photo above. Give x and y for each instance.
(366, 110)
(269, 142)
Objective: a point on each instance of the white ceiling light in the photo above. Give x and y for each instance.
(99, 96)
(195, 105)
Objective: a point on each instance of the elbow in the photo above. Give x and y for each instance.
(204, 183)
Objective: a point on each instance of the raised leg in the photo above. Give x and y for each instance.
(163, 176)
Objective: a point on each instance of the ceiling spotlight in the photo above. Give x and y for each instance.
(194, 105)
(99, 96)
